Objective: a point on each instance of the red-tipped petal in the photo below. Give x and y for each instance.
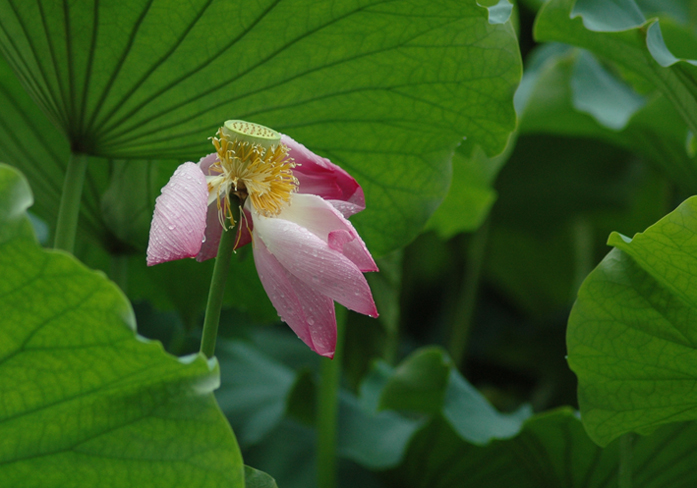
(179, 220)
(309, 313)
(319, 176)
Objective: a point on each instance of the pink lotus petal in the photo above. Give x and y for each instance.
(310, 259)
(325, 221)
(319, 176)
(205, 163)
(309, 313)
(179, 220)
(244, 229)
(214, 230)
(346, 208)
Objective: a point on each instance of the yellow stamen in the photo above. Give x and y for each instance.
(253, 164)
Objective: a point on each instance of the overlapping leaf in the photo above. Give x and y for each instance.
(618, 32)
(566, 93)
(82, 394)
(451, 437)
(466, 441)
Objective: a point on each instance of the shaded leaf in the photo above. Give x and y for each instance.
(471, 192)
(253, 478)
(254, 390)
(551, 450)
(625, 38)
(655, 131)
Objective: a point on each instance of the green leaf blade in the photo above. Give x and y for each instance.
(82, 395)
(630, 336)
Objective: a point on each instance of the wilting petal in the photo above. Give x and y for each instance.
(319, 176)
(179, 220)
(311, 260)
(346, 208)
(327, 223)
(309, 313)
(205, 163)
(244, 229)
(214, 230)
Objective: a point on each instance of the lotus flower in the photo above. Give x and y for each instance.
(295, 213)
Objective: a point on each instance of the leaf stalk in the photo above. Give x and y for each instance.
(69, 209)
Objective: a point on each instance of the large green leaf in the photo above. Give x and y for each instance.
(386, 90)
(631, 335)
(86, 402)
(118, 197)
(31, 143)
(617, 31)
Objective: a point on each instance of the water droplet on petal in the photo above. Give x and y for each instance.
(171, 227)
(311, 320)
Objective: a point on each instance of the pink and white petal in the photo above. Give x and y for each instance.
(308, 313)
(214, 230)
(244, 229)
(179, 220)
(313, 262)
(319, 176)
(353, 248)
(205, 163)
(346, 209)
(323, 220)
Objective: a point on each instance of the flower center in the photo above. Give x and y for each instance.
(252, 163)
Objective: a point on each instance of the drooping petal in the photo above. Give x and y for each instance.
(179, 220)
(310, 259)
(327, 223)
(244, 229)
(319, 176)
(309, 313)
(346, 208)
(205, 163)
(214, 230)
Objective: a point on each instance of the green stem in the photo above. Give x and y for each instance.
(217, 288)
(625, 470)
(464, 312)
(328, 408)
(69, 209)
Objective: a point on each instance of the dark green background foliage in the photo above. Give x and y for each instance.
(490, 199)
